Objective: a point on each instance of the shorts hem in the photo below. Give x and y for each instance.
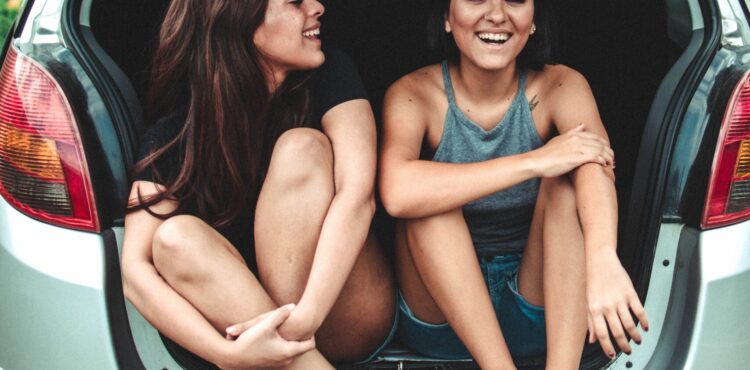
(387, 339)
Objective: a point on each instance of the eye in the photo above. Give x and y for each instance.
(516, 2)
(296, 3)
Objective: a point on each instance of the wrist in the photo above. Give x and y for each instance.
(223, 354)
(530, 164)
(309, 309)
(600, 257)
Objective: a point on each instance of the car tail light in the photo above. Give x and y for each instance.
(43, 169)
(728, 199)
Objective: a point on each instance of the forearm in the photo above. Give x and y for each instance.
(171, 314)
(421, 188)
(596, 200)
(342, 237)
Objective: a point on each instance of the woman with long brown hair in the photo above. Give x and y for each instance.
(255, 190)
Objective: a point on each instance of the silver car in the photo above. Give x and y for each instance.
(670, 76)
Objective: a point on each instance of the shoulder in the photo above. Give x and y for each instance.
(558, 85)
(335, 82)
(558, 79)
(423, 86)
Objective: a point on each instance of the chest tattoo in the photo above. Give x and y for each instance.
(533, 103)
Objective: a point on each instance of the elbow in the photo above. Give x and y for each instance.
(129, 282)
(395, 205)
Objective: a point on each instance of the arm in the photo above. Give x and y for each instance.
(257, 343)
(414, 188)
(610, 293)
(351, 128)
(144, 287)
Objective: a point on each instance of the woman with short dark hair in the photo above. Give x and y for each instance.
(255, 190)
(499, 167)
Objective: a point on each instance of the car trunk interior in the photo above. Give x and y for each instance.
(622, 47)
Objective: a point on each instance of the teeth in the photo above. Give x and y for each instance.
(312, 33)
(494, 36)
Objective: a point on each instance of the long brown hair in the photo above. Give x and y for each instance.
(206, 62)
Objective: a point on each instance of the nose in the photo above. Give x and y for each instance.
(316, 9)
(496, 11)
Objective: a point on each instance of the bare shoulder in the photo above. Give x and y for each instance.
(556, 79)
(422, 86)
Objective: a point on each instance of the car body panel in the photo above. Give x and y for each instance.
(53, 307)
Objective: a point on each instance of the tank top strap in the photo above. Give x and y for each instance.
(522, 83)
(448, 83)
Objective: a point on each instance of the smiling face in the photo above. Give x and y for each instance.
(288, 37)
(490, 33)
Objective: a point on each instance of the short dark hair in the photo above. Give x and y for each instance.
(535, 55)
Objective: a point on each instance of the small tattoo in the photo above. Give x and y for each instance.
(533, 103)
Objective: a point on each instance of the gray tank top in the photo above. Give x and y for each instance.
(499, 223)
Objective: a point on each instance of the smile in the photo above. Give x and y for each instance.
(312, 34)
(494, 38)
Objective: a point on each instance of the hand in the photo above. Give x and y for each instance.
(611, 298)
(570, 150)
(257, 343)
(299, 326)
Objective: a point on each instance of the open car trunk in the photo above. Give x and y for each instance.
(623, 47)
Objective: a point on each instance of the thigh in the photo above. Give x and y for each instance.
(531, 270)
(411, 286)
(204, 267)
(364, 313)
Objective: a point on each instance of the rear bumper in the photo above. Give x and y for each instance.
(720, 338)
(53, 306)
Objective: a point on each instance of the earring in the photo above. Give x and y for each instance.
(533, 29)
(447, 27)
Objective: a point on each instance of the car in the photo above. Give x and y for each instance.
(671, 81)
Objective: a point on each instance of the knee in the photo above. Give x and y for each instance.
(301, 155)
(172, 249)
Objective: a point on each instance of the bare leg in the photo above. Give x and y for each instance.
(552, 272)
(202, 266)
(440, 278)
(292, 207)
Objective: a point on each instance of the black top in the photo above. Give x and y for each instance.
(335, 82)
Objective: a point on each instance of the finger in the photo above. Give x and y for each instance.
(628, 324)
(591, 329)
(578, 128)
(277, 317)
(297, 348)
(237, 329)
(615, 327)
(602, 335)
(639, 311)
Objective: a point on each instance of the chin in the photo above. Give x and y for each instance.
(491, 63)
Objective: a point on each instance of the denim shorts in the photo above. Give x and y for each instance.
(522, 323)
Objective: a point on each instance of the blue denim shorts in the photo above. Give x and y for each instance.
(521, 322)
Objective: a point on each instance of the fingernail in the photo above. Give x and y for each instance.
(612, 355)
(231, 330)
(290, 306)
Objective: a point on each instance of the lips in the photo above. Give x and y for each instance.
(312, 32)
(494, 38)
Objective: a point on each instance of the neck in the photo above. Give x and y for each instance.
(275, 77)
(486, 85)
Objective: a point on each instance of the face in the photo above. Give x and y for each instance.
(490, 33)
(288, 36)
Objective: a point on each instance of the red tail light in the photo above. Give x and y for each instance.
(43, 170)
(728, 198)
